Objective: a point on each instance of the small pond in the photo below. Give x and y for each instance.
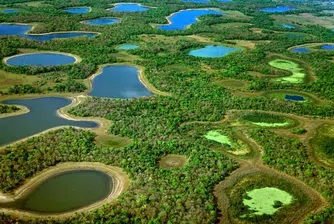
(102, 21)
(9, 11)
(213, 51)
(41, 59)
(301, 50)
(289, 26)
(77, 10)
(22, 30)
(294, 98)
(119, 81)
(182, 19)
(129, 7)
(42, 116)
(128, 47)
(66, 192)
(327, 47)
(278, 9)
(197, 1)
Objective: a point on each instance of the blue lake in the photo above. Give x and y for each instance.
(119, 81)
(128, 47)
(8, 11)
(328, 47)
(102, 21)
(294, 98)
(301, 50)
(21, 30)
(129, 7)
(182, 19)
(213, 51)
(197, 1)
(77, 10)
(224, 0)
(41, 59)
(277, 9)
(42, 116)
(289, 26)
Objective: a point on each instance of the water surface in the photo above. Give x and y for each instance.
(197, 1)
(41, 59)
(119, 81)
(213, 51)
(8, 11)
(128, 47)
(294, 98)
(182, 19)
(77, 10)
(42, 116)
(328, 47)
(22, 30)
(66, 191)
(289, 26)
(129, 7)
(301, 50)
(102, 21)
(278, 9)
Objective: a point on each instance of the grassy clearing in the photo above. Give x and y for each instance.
(298, 74)
(236, 15)
(173, 161)
(305, 19)
(35, 4)
(8, 79)
(323, 144)
(232, 83)
(267, 200)
(110, 141)
(223, 26)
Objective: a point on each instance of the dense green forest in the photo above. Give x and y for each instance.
(154, 123)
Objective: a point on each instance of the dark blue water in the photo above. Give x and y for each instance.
(102, 21)
(213, 51)
(131, 7)
(128, 47)
(21, 30)
(328, 47)
(277, 9)
(301, 50)
(224, 0)
(8, 11)
(197, 1)
(184, 18)
(78, 10)
(42, 116)
(41, 59)
(294, 98)
(289, 26)
(119, 81)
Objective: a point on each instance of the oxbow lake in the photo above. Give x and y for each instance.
(22, 30)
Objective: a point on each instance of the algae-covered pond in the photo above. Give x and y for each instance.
(298, 73)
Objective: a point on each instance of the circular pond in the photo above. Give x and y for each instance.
(66, 192)
(41, 59)
(173, 161)
(213, 51)
(102, 21)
